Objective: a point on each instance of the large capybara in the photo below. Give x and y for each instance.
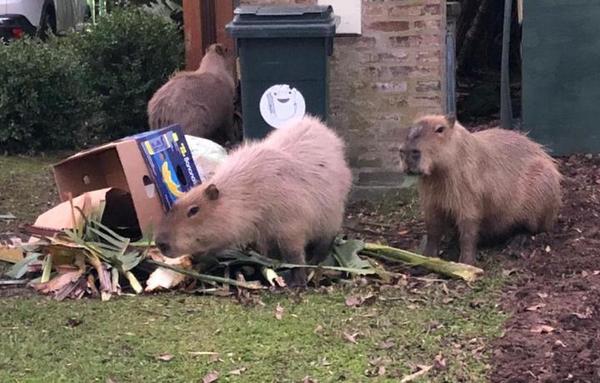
(285, 194)
(202, 102)
(487, 184)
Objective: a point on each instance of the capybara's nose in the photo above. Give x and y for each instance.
(415, 155)
(163, 247)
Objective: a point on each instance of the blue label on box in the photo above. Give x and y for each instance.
(170, 162)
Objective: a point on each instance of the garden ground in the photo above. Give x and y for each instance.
(534, 317)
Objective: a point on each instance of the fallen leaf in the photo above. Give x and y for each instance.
(352, 301)
(351, 337)
(110, 380)
(387, 344)
(422, 371)
(58, 282)
(560, 343)
(403, 232)
(308, 380)
(356, 301)
(535, 307)
(165, 357)
(506, 273)
(11, 255)
(279, 312)
(318, 329)
(542, 295)
(440, 362)
(542, 329)
(237, 372)
(211, 377)
(548, 249)
(198, 353)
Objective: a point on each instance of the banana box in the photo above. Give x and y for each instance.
(168, 157)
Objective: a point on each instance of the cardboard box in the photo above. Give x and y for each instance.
(122, 165)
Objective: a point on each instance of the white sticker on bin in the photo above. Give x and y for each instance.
(280, 104)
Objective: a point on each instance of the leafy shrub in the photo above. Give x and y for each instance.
(44, 97)
(130, 54)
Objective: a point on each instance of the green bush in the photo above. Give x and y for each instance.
(129, 54)
(87, 87)
(44, 98)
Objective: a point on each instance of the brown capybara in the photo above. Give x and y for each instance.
(202, 102)
(486, 184)
(286, 194)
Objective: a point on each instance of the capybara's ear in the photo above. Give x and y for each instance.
(451, 118)
(212, 192)
(220, 49)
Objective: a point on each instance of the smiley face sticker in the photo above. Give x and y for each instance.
(280, 104)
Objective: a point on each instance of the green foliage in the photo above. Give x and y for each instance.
(44, 98)
(86, 87)
(130, 54)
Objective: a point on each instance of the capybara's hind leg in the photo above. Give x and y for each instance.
(469, 234)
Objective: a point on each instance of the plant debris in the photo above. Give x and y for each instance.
(91, 259)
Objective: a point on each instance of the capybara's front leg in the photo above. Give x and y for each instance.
(469, 233)
(293, 252)
(435, 230)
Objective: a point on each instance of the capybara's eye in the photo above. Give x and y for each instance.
(439, 129)
(193, 211)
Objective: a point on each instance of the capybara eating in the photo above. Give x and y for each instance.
(486, 184)
(202, 102)
(284, 194)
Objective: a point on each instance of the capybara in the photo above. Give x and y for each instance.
(487, 184)
(285, 194)
(202, 102)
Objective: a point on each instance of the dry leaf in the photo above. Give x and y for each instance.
(279, 312)
(548, 249)
(351, 337)
(560, 343)
(387, 344)
(535, 307)
(352, 301)
(318, 329)
(198, 353)
(237, 372)
(542, 295)
(165, 357)
(11, 255)
(422, 371)
(355, 301)
(542, 329)
(110, 380)
(308, 380)
(440, 362)
(211, 377)
(506, 273)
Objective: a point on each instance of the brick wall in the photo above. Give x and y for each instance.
(383, 79)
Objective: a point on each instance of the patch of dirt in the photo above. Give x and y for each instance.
(558, 286)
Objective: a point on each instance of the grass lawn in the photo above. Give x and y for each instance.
(414, 323)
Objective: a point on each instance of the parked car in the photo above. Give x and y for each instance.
(39, 17)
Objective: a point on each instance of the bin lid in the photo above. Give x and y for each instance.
(268, 21)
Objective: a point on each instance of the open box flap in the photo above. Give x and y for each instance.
(119, 213)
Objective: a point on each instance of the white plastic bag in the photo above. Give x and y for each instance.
(207, 155)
